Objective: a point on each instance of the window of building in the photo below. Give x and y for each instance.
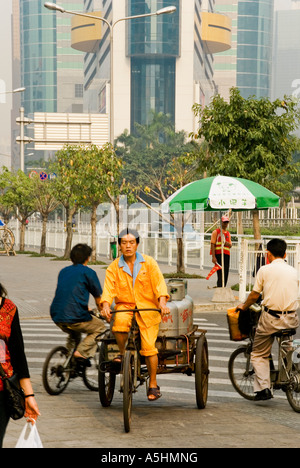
(78, 90)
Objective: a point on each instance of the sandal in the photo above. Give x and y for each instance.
(154, 392)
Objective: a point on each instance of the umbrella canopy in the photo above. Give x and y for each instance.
(221, 193)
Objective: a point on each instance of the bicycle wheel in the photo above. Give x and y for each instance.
(128, 383)
(90, 374)
(7, 239)
(241, 372)
(201, 372)
(106, 380)
(55, 375)
(293, 389)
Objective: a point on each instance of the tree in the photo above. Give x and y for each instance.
(100, 176)
(19, 197)
(159, 161)
(68, 184)
(249, 138)
(5, 176)
(45, 203)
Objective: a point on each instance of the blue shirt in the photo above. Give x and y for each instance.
(74, 286)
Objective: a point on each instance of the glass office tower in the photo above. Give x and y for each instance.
(162, 63)
(38, 57)
(254, 47)
(153, 45)
(51, 70)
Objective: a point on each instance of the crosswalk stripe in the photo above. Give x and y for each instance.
(44, 334)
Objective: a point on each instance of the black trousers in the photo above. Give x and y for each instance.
(226, 269)
(4, 418)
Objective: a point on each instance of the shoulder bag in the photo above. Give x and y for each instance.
(14, 395)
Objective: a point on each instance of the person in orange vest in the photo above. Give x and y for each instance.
(216, 250)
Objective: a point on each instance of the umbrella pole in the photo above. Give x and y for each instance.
(222, 251)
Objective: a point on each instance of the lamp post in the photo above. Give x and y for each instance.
(162, 11)
(14, 91)
(17, 90)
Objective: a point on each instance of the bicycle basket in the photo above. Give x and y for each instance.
(233, 325)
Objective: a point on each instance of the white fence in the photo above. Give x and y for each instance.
(244, 252)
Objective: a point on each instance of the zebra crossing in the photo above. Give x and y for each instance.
(41, 335)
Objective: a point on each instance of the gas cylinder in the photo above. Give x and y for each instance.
(180, 319)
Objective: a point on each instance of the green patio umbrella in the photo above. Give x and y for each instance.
(221, 193)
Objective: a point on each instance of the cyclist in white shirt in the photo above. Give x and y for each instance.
(278, 284)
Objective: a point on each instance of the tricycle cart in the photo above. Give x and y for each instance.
(178, 353)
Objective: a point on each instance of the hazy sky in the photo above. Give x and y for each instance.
(5, 69)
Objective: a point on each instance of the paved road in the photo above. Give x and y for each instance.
(76, 418)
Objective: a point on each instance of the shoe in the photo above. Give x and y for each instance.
(263, 395)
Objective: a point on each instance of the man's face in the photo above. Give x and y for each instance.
(128, 245)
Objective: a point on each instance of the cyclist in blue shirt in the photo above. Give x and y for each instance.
(69, 309)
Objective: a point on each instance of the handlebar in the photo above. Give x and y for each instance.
(135, 310)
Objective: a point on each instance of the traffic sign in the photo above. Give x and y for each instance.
(43, 175)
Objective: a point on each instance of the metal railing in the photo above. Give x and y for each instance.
(244, 261)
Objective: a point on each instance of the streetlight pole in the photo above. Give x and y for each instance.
(14, 91)
(162, 11)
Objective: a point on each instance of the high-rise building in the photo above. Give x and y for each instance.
(248, 64)
(51, 70)
(286, 58)
(286, 62)
(44, 62)
(225, 63)
(254, 47)
(161, 63)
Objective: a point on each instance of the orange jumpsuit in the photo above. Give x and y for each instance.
(140, 290)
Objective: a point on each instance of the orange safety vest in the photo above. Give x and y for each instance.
(219, 242)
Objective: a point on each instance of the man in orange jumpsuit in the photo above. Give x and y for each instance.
(135, 281)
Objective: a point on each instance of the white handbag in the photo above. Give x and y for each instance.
(32, 441)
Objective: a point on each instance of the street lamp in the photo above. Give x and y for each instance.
(17, 90)
(163, 11)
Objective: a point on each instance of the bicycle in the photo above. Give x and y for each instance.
(284, 376)
(181, 354)
(61, 367)
(7, 241)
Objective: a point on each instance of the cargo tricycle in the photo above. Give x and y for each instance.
(182, 348)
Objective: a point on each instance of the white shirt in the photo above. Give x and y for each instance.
(278, 282)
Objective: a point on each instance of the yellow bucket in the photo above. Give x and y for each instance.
(233, 324)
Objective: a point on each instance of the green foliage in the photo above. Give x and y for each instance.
(158, 159)
(250, 138)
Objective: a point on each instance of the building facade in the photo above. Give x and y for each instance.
(254, 47)
(286, 62)
(248, 64)
(161, 63)
(51, 70)
(44, 63)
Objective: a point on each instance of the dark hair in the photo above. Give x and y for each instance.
(277, 247)
(80, 253)
(127, 231)
(3, 292)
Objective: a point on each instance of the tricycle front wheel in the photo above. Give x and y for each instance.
(128, 388)
(201, 372)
